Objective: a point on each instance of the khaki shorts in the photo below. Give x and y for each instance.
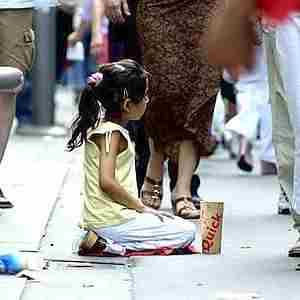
(16, 39)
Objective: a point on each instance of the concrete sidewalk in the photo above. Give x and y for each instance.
(31, 176)
(253, 263)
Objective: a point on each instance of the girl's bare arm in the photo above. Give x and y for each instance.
(107, 166)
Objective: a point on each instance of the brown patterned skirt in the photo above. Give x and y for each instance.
(183, 86)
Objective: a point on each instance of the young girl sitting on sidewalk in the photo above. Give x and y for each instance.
(112, 212)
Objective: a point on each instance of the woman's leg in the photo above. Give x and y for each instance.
(186, 165)
(187, 161)
(148, 232)
(195, 183)
(155, 164)
(151, 193)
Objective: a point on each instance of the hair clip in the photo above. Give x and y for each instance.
(95, 79)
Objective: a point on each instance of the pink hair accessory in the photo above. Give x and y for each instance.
(94, 79)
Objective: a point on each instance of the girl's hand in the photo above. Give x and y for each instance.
(160, 215)
(117, 10)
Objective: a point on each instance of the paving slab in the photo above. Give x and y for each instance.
(254, 249)
(11, 288)
(70, 276)
(88, 259)
(62, 238)
(32, 175)
(109, 283)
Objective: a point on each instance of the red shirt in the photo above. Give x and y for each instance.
(278, 9)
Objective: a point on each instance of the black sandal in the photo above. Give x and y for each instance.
(91, 245)
(191, 212)
(153, 197)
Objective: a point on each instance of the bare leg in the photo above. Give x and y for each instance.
(186, 165)
(151, 192)
(154, 168)
(7, 112)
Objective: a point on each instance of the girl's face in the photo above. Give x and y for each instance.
(136, 110)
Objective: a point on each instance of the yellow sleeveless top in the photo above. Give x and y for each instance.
(99, 209)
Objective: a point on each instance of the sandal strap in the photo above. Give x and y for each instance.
(153, 181)
(153, 193)
(177, 200)
(182, 199)
(188, 204)
(184, 208)
(188, 210)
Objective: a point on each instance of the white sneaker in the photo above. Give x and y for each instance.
(4, 203)
(295, 250)
(283, 203)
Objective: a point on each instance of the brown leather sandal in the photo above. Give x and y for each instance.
(187, 211)
(152, 198)
(91, 245)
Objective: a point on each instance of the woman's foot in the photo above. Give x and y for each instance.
(183, 207)
(151, 192)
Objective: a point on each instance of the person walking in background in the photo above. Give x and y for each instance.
(283, 46)
(90, 17)
(117, 93)
(87, 44)
(254, 117)
(64, 27)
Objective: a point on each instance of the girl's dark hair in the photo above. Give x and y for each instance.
(120, 80)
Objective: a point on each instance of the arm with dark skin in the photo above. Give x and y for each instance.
(116, 10)
(98, 14)
(231, 36)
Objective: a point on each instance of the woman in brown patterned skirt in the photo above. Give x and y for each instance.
(183, 89)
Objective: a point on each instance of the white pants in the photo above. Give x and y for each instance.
(148, 232)
(283, 48)
(253, 109)
(288, 50)
(267, 152)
